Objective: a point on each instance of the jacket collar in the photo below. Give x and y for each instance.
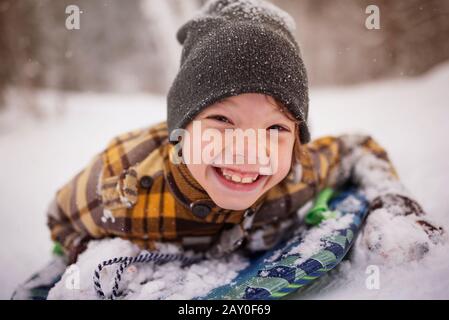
(194, 197)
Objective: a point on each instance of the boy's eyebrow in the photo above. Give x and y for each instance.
(228, 100)
(274, 111)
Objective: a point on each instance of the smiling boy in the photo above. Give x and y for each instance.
(238, 183)
(241, 69)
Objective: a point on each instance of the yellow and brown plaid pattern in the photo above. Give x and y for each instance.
(133, 190)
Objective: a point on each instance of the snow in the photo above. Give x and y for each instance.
(169, 280)
(146, 281)
(406, 116)
(312, 239)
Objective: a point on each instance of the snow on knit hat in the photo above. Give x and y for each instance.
(233, 47)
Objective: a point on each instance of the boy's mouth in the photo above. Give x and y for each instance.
(237, 176)
(238, 180)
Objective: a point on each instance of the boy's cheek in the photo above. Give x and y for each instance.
(281, 158)
(282, 170)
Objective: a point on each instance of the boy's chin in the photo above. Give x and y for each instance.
(234, 204)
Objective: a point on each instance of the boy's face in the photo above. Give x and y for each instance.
(232, 169)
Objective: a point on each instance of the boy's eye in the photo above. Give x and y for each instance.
(278, 127)
(219, 118)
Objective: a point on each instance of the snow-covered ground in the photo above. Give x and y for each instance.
(408, 117)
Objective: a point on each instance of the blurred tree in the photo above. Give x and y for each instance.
(20, 41)
(339, 49)
(129, 46)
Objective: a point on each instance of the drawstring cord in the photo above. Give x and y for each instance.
(148, 257)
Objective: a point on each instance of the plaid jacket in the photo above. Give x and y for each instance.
(133, 190)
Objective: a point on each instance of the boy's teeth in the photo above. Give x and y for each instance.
(226, 174)
(247, 180)
(236, 178)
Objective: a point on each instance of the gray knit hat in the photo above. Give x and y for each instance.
(234, 47)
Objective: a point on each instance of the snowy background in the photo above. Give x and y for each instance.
(64, 94)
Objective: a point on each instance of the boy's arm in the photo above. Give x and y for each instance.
(361, 160)
(70, 217)
(84, 208)
(337, 160)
